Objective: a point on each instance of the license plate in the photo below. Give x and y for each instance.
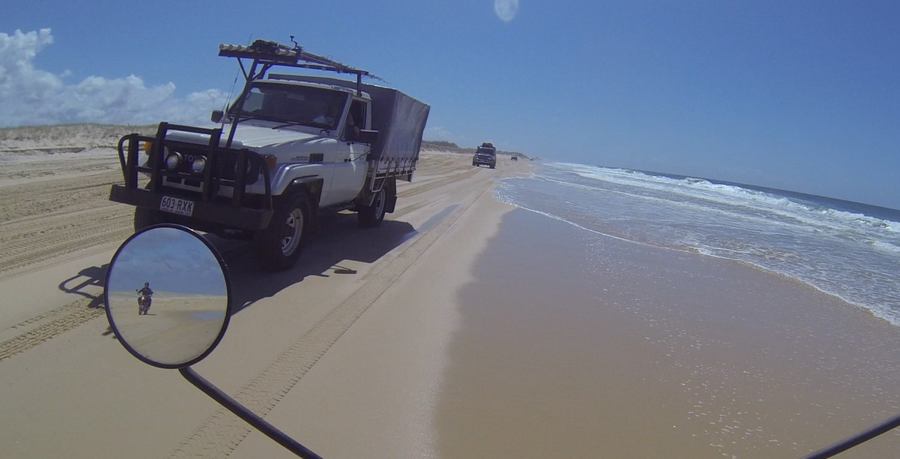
(176, 206)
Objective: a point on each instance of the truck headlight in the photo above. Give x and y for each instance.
(198, 165)
(173, 160)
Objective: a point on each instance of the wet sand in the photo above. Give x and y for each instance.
(519, 336)
(577, 345)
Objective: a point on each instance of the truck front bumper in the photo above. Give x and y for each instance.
(203, 211)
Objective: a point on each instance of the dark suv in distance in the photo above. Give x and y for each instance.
(485, 154)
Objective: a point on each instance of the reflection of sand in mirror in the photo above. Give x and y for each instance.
(176, 329)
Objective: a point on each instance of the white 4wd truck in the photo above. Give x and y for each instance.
(288, 148)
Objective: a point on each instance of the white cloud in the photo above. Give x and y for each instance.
(506, 9)
(34, 96)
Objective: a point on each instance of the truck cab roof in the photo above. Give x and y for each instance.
(287, 80)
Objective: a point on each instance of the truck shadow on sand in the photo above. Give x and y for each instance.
(92, 276)
(339, 240)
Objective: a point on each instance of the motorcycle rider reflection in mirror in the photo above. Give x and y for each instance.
(145, 297)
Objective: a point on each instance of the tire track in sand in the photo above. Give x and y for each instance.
(41, 221)
(221, 434)
(435, 182)
(65, 194)
(57, 321)
(45, 239)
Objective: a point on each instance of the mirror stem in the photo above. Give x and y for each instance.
(242, 412)
(869, 434)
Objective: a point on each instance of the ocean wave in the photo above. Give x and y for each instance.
(772, 210)
(886, 247)
(804, 214)
(688, 205)
(507, 199)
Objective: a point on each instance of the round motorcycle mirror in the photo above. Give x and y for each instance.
(168, 296)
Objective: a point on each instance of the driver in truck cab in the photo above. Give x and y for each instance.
(327, 114)
(354, 121)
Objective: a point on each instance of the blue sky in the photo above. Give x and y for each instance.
(799, 95)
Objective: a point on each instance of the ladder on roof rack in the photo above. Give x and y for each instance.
(267, 54)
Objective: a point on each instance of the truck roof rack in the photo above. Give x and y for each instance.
(267, 54)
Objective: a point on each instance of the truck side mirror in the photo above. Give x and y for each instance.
(170, 323)
(182, 312)
(369, 136)
(216, 116)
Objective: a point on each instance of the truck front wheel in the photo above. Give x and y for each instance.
(372, 215)
(279, 245)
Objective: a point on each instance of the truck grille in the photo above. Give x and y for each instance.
(225, 167)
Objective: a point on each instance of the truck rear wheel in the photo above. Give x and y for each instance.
(279, 245)
(144, 217)
(372, 215)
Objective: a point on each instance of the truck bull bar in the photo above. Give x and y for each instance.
(222, 169)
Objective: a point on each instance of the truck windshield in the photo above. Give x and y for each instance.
(292, 104)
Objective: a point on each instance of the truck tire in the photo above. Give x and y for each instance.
(144, 217)
(279, 245)
(371, 216)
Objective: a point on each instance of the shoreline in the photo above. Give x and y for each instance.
(744, 263)
(870, 309)
(373, 393)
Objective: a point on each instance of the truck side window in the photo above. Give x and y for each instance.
(356, 119)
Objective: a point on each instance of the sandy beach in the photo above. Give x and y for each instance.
(174, 330)
(461, 327)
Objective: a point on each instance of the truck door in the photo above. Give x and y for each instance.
(350, 171)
